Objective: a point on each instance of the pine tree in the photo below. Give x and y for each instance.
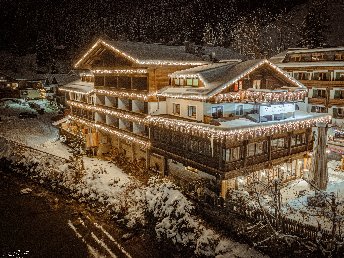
(315, 26)
(209, 35)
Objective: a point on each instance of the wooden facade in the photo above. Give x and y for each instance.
(220, 157)
(322, 72)
(123, 108)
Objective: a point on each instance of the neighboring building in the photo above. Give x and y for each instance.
(53, 81)
(322, 72)
(167, 110)
(8, 86)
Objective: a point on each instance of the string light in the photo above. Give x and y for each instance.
(259, 96)
(117, 113)
(121, 71)
(126, 94)
(87, 53)
(236, 134)
(143, 143)
(135, 60)
(218, 90)
(183, 76)
(70, 90)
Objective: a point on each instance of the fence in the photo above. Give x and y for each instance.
(286, 225)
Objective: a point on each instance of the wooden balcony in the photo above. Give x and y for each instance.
(317, 101)
(234, 165)
(257, 159)
(280, 153)
(298, 149)
(319, 83)
(336, 102)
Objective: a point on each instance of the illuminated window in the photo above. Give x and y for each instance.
(256, 148)
(195, 82)
(189, 82)
(176, 109)
(192, 111)
(278, 144)
(318, 57)
(339, 56)
(232, 154)
(256, 84)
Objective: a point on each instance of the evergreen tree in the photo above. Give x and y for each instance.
(208, 35)
(315, 25)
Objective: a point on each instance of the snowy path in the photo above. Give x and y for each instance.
(99, 242)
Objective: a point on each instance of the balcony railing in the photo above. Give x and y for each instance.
(256, 95)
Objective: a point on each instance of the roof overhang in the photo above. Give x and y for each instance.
(103, 43)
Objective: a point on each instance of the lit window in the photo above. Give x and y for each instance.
(189, 82)
(318, 57)
(195, 82)
(176, 81)
(192, 111)
(176, 109)
(339, 56)
(256, 84)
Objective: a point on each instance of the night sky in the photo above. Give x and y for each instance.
(52, 29)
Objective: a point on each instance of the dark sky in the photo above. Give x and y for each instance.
(69, 22)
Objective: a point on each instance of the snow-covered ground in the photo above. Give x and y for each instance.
(37, 132)
(101, 182)
(296, 193)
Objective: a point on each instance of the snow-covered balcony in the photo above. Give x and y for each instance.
(263, 95)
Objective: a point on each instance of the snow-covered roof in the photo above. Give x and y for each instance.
(78, 87)
(315, 50)
(312, 64)
(279, 58)
(216, 77)
(144, 53)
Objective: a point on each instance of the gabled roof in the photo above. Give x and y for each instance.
(217, 77)
(158, 54)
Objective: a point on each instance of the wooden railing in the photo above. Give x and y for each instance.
(285, 224)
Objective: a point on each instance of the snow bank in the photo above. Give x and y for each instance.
(103, 184)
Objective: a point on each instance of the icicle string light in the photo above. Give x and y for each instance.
(238, 134)
(218, 90)
(143, 143)
(115, 93)
(71, 90)
(120, 71)
(248, 71)
(128, 95)
(135, 60)
(108, 111)
(259, 96)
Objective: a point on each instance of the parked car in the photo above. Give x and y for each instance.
(27, 115)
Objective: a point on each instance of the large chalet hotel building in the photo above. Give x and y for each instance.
(191, 115)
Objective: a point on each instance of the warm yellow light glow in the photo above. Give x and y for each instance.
(137, 61)
(143, 143)
(137, 118)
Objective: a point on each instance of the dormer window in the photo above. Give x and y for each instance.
(186, 82)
